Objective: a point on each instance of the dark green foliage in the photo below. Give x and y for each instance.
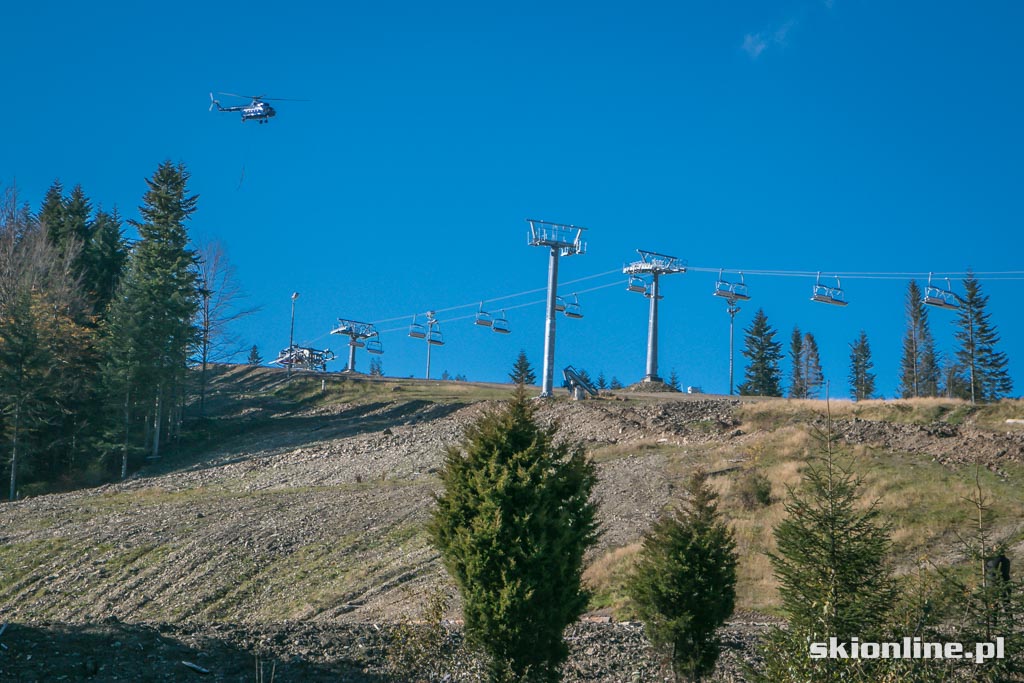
(797, 385)
(684, 582)
(376, 367)
(255, 358)
(512, 524)
(614, 384)
(151, 320)
(762, 375)
(984, 367)
(522, 372)
(107, 256)
(673, 380)
(919, 365)
(602, 383)
(831, 564)
(862, 379)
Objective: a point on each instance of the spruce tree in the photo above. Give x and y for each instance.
(107, 257)
(254, 356)
(673, 380)
(522, 372)
(797, 386)
(814, 379)
(602, 383)
(862, 379)
(614, 384)
(684, 582)
(51, 215)
(985, 367)
(919, 365)
(152, 318)
(512, 524)
(832, 567)
(762, 374)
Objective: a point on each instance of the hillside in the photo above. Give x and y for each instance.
(301, 510)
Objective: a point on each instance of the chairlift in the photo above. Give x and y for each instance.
(828, 295)
(573, 308)
(636, 284)
(358, 343)
(374, 346)
(939, 297)
(731, 291)
(435, 337)
(416, 330)
(500, 324)
(559, 304)
(483, 318)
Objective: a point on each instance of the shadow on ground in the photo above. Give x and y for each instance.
(115, 651)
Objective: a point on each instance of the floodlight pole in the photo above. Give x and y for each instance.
(561, 240)
(732, 310)
(291, 333)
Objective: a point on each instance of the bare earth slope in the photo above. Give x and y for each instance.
(298, 525)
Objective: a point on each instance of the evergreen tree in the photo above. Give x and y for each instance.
(831, 564)
(986, 373)
(797, 386)
(673, 380)
(512, 524)
(107, 257)
(862, 379)
(52, 213)
(522, 372)
(24, 370)
(615, 384)
(762, 375)
(814, 379)
(602, 383)
(684, 582)
(255, 358)
(919, 365)
(151, 327)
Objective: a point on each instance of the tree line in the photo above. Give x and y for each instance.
(97, 332)
(976, 370)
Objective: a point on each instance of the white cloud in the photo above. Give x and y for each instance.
(754, 44)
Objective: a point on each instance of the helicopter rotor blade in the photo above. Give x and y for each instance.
(247, 97)
(282, 99)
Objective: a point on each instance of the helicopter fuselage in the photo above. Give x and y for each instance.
(258, 111)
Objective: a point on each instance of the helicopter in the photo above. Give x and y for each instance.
(257, 110)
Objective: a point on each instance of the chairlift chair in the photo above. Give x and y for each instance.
(416, 330)
(939, 297)
(500, 324)
(358, 343)
(435, 337)
(374, 346)
(828, 295)
(483, 318)
(732, 291)
(636, 284)
(559, 304)
(573, 308)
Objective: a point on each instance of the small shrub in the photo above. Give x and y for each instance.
(754, 490)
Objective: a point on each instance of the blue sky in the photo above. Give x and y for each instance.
(840, 137)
